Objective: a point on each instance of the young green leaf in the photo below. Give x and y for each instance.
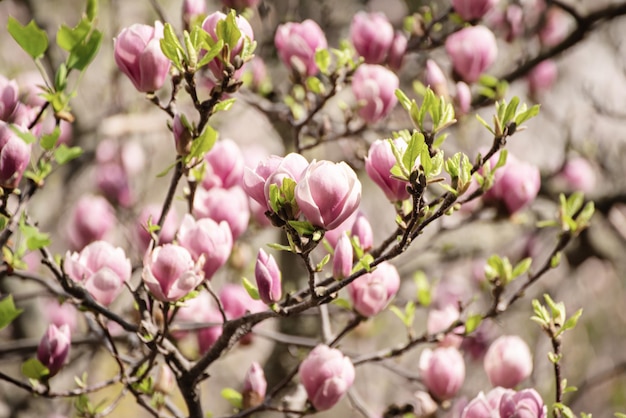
(233, 397)
(34, 369)
(8, 311)
(64, 154)
(31, 37)
(251, 289)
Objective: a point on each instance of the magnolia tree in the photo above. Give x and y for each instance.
(301, 264)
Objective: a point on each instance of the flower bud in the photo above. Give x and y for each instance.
(343, 258)
(54, 348)
(395, 59)
(362, 229)
(326, 375)
(328, 193)
(101, 268)
(526, 403)
(60, 314)
(254, 386)
(183, 137)
(578, 174)
(210, 26)
(254, 180)
(435, 79)
(207, 336)
(166, 233)
(224, 166)
(472, 50)
(542, 77)
(519, 184)
(473, 9)
(170, 273)
(439, 320)
(206, 238)
(378, 164)
(463, 98)
(508, 361)
(443, 371)
(372, 36)
(14, 157)
(296, 44)
(292, 167)
(372, 292)
(374, 88)
(230, 205)
(138, 54)
(237, 301)
(268, 278)
(9, 99)
(92, 218)
(556, 27)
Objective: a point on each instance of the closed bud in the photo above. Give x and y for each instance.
(326, 375)
(526, 403)
(328, 193)
(206, 238)
(472, 50)
(542, 77)
(218, 66)
(91, 219)
(395, 59)
(170, 273)
(435, 79)
(101, 268)
(229, 205)
(152, 212)
(556, 27)
(463, 98)
(14, 157)
(378, 164)
(508, 361)
(225, 165)
(343, 258)
(473, 9)
(268, 278)
(54, 348)
(578, 175)
(297, 43)
(9, 99)
(439, 320)
(372, 292)
(442, 371)
(192, 9)
(254, 386)
(254, 180)
(362, 229)
(138, 54)
(372, 36)
(374, 88)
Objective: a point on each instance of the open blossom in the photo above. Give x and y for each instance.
(225, 165)
(54, 348)
(442, 371)
(14, 157)
(206, 238)
(472, 50)
(170, 273)
(371, 292)
(485, 406)
(326, 375)
(378, 164)
(230, 205)
(374, 88)
(526, 403)
(268, 277)
(91, 219)
(138, 55)
(508, 361)
(296, 44)
(372, 36)
(328, 193)
(101, 268)
(473, 9)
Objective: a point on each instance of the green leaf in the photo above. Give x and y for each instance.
(167, 169)
(251, 289)
(211, 53)
(202, 144)
(572, 320)
(472, 322)
(522, 267)
(171, 47)
(555, 260)
(342, 303)
(48, 141)
(304, 228)
(64, 154)
(68, 38)
(485, 124)
(322, 59)
(414, 149)
(26, 136)
(403, 99)
(224, 105)
(228, 31)
(233, 397)
(83, 53)
(31, 37)
(524, 116)
(92, 9)
(8, 311)
(315, 85)
(322, 263)
(34, 369)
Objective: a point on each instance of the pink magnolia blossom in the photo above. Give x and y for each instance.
(508, 361)
(192, 9)
(268, 278)
(326, 375)
(372, 36)
(473, 9)
(439, 320)
(296, 44)
(362, 229)
(254, 386)
(91, 219)
(54, 348)
(374, 88)
(9, 99)
(101, 268)
(343, 258)
(153, 213)
(230, 205)
(225, 165)
(556, 27)
(578, 174)
(378, 164)
(328, 193)
(435, 79)
(206, 238)
(485, 406)
(371, 292)
(472, 50)
(170, 273)
(395, 59)
(542, 77)
(210, 26)
(526, 403)
(138, 54)
(442, 371)
(14, 157)
(463, 98)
